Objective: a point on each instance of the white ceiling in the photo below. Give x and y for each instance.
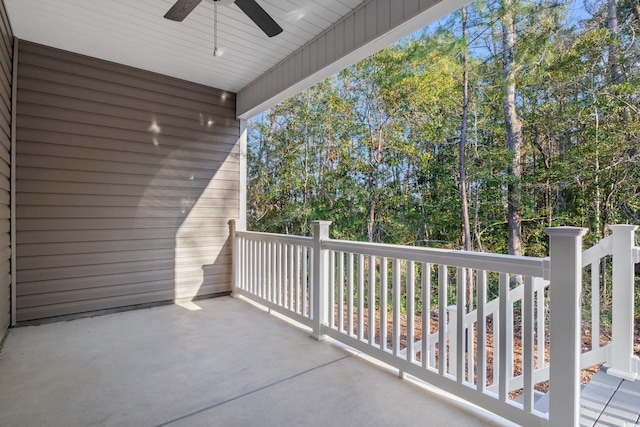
(134, 33)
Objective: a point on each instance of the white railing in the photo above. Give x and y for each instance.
(410, 308)
(619, 249)
(452, 354)
(275, 270)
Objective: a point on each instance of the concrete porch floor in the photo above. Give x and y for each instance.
(226, 363)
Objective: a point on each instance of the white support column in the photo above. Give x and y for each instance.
(320, 291)
(620, 362)
(234, 257)
(565, 251)
(241, 224)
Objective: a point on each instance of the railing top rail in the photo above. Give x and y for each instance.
(601, 249)
(528, 266)
(277, 238)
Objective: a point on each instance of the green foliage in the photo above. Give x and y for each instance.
(375, 148)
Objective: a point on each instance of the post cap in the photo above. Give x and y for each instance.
(622, 227)
(321, 223)
(565, 231)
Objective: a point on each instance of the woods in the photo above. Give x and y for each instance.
(508, 117)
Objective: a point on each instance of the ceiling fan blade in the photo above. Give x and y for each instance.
(259, 16)
(181, 9)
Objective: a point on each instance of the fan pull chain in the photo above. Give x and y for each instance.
(215, 27)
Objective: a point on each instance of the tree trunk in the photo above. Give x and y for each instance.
(546, 196)
(464, 206)
(635, 8)
(374, 184)
(598, 214)
(372, 216)
(513, 125)
(476, 187)
(614, 51)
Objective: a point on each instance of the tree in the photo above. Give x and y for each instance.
(513, 125)
(512, 108)
(464, 205)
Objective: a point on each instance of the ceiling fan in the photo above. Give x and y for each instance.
(251, 8)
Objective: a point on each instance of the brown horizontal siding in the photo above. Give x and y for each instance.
(86, 294)
(125, 213)
(72, 307)
(217, 274)
(136, 143)
(35, 186)
(41, 199)
(47, 224)
(45, 274)
(126, 181)
(127, 77)
(35, 173)
(141, 160)
(46, 80)
(107, 246)
(5, 295)
(128, 119)
(200, 254)
(76, 236)
(6, 82)
(5, 154)
(53, 131)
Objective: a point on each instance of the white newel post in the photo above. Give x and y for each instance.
(565, 277)
(320, 280)
(620, 362)
(234, 257)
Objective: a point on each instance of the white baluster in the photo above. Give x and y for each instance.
(383, 303)
(426, 314)
(372, 299)
(481, 350)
